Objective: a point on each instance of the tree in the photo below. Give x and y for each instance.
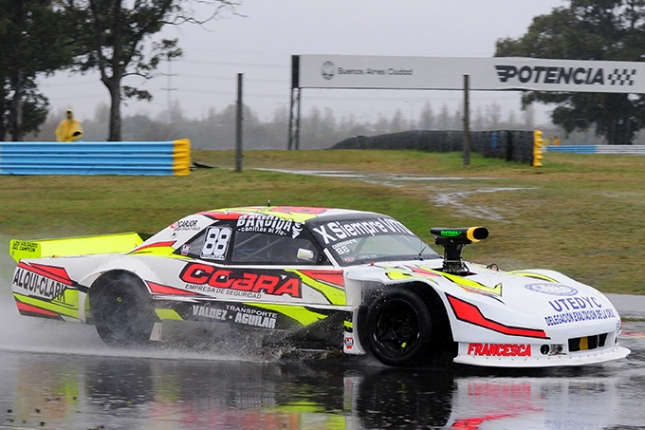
(493, 115)
(511, 122)
(607, 30)
(398, 123)
(457, 122)
(115, 38)
(329, 120)
(443, 122)
(478, 122)
(33, 41)
(426, 119)
(528, 116)
(314, 121)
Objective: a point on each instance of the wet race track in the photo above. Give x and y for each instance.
(56, 375)
(61, 376)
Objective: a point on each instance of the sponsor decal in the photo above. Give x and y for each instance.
(252, 311)
(271, 224)
(237, 314)
(499, 349)
(329, 70)
(255, 320)
(39, 285)
(209, 312)
(334, 231)
(579, 316)
(43, 281)
(343, 71)
(211, 290)
(575, 303)
(552, 289)
(378, 72)
(342, 248)
(577, 309)
(349, 342)
(190, 224)
(246, 282)
(622, 77)
(24, 246)
(565, 75)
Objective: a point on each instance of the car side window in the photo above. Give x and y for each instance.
(264, 248)
(216, 242)
(213, 243)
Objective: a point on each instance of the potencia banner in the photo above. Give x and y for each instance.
(437, 73)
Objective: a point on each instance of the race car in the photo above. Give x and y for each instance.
(360, 282)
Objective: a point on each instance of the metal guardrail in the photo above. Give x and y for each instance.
(598, 149)
(96, 158)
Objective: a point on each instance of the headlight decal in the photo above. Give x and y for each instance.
(470, 313)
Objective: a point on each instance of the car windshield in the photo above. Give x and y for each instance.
(366, 240)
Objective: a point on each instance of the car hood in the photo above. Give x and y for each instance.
(537, 298)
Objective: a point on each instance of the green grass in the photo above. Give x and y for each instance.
(579, 214)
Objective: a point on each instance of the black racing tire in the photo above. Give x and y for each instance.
(122, 311)
(399, 328)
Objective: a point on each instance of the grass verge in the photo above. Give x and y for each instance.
(579, 214)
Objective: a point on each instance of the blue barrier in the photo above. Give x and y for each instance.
(598, 149)
(578, 149)
(95, 158)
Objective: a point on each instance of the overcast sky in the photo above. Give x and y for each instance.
(260, 44)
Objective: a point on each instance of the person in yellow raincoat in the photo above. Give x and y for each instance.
(69, 129)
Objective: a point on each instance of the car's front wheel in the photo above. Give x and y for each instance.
(122, 311)
(399, 328)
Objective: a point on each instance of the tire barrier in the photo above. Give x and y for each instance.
(96, 158)
(510, 145)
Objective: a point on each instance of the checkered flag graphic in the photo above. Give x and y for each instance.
(621, 77)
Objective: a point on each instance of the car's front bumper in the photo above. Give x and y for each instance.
(529, 355)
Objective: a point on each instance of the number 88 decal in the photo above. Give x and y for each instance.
(216, 243)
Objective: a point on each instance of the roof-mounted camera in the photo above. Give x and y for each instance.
(453, 240)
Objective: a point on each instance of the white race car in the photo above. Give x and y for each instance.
(313, 277)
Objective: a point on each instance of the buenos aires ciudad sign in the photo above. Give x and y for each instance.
(497, 73)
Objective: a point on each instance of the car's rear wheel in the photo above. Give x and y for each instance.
(399, 328)
(122, 311)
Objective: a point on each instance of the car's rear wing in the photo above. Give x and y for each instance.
(71, 246)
